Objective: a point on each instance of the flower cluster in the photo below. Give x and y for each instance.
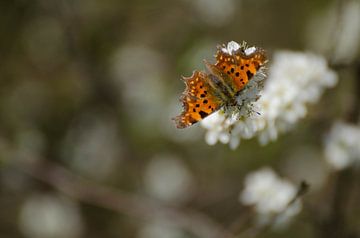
(271, 196)
(295, 80)
(342, 145)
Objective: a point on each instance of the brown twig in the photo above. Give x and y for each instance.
(85, 191)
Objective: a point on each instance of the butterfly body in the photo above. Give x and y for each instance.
(206, 93)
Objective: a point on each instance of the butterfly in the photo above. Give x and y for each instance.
(206, 93)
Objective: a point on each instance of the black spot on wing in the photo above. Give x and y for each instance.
(203, 114)
(249, 74)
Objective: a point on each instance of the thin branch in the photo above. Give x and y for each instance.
(242, 223)
(85, 191)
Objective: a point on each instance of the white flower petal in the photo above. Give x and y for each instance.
(250, 50)
(231, 47)
(270, 195)
(342, 146)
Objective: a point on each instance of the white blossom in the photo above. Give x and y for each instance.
(342, 145)
(214, 12)
(159, 228)
(271, 196)
(250, 50)
(92, 146)
(231, 47)
(50, 216)
(295, 80)
(218, 125)
(168, 179)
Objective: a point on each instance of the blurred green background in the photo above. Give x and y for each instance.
(91, 87)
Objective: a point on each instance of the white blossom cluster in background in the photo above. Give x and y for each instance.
(168, 179)
(271, 196)
(158, 228)
(92, 145)
(49, 215)
(342, 146)
(214, 12)
(295, 80)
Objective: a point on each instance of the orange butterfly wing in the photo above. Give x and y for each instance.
(198, 99)
(239, 66)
